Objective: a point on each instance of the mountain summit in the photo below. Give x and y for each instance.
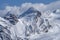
(30, 11)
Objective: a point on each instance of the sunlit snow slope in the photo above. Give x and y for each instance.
(32, 22)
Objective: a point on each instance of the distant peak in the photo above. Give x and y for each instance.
(31, 10)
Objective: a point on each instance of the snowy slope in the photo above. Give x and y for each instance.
(33, 24)
(53, 31)
(8, 30)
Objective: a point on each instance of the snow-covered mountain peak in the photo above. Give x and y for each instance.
(29, 11)
(31, 22)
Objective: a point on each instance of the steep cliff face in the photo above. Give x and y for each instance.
(7, 28)
(35, 22)
(4, 30)
(11, 18)
(30, 25)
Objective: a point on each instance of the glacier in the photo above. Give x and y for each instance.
(30, 24)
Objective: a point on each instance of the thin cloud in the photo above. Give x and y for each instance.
(39, 6)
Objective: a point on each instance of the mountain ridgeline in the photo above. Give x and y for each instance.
(33, 22)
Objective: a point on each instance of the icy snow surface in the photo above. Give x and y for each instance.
(31, 22)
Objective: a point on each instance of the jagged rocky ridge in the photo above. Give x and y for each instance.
(34, 23)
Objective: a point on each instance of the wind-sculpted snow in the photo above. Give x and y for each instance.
(41, 26)
(31, 22)
(7, 29)
(32, 26)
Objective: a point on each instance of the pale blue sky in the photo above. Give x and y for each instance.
(4, 3)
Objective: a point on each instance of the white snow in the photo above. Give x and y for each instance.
(18, 30)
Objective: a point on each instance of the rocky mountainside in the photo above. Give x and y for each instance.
(30, 25)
